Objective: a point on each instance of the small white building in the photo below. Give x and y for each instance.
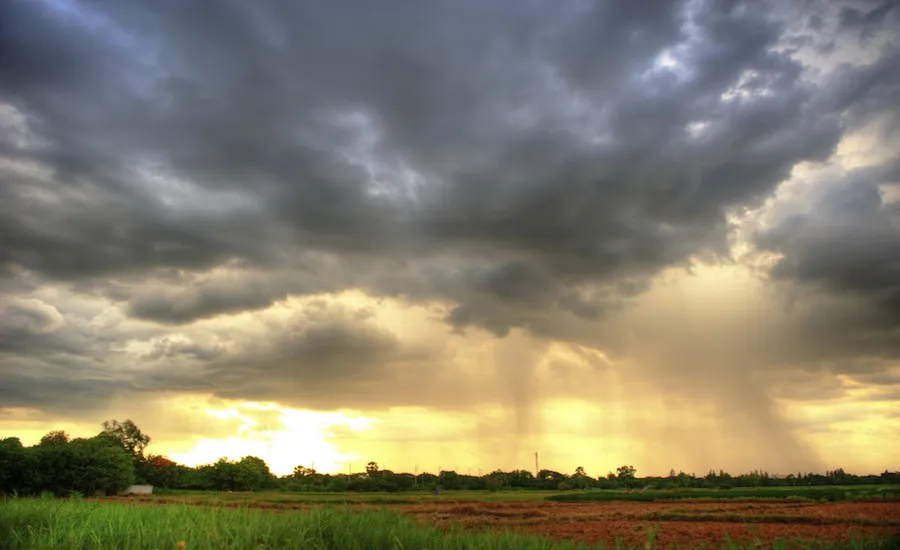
(139, 490)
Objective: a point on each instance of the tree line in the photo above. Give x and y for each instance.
(115, 458)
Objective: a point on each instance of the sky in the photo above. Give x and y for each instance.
(451, 234)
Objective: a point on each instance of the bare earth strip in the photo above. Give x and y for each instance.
(683, 524)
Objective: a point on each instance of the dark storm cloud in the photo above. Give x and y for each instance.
(316, 358)
(527, 164)
(59, 380)
(208, 299)
(866, 19)
(847, 240)
(320, 358)
(169, 349)
(486, 108)
(56, 360)
(885, 378)
(870, 92)
(31, 327)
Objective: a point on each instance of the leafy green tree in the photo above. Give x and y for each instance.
(403, 482)
(83, 465)
(223, 476)
(580, 479)
(450, 480)
(98, 465)
(684, 480)
(493, 483)
(520, 478)
(550, 479)
(626, 472)
(55, 438)
(249, 473)
(301, 472)
(51, 466)
(890, 477)
(126, 434)
(252, 473)
(159, 471)
(15, 466)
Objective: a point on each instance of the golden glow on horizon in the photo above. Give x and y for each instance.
(856, 435)
(611, 415)
(299, 438)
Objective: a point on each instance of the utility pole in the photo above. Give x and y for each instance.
(537, 471)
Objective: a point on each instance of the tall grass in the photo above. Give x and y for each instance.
(48, 524)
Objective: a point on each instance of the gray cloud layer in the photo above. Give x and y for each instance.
(533, 166)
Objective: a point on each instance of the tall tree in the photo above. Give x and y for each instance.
(55, 438)
(253, 473)
(97, 464)
(14, 466)
(159, 471)
(126, 434)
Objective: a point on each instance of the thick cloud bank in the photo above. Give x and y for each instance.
(533, 167)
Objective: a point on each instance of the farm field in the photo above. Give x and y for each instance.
(837, 493)
(452, 524)
(501, 520)
(684, 524)
(760, 517)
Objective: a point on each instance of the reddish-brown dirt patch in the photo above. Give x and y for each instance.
(689, 534)
(683, 524)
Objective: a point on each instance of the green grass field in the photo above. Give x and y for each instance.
(837, 493)
(281, 497)
(48, 524)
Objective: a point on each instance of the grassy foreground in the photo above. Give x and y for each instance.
(48, 524)
(833, 494)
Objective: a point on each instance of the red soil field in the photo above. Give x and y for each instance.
(682, 524)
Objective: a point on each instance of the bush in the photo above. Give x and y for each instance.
(493, 484)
